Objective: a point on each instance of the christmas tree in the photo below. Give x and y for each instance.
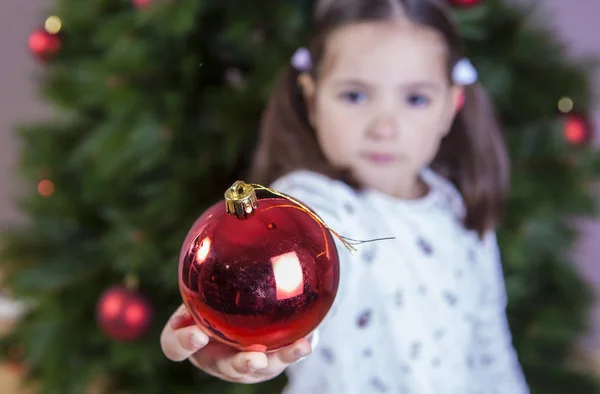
(157, 110)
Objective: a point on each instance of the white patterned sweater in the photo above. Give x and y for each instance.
(423, 313)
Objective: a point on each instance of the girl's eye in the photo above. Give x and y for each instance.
(418, 100)
(354, 97)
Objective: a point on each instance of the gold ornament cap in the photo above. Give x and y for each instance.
(240, 200)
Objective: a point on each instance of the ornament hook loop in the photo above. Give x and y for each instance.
(240, 200)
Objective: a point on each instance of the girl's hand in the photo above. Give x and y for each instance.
(181, 339)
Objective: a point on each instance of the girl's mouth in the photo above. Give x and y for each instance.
(381, 158)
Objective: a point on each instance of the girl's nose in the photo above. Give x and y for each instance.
(383, 128)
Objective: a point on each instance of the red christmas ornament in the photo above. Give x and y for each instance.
(123, 314)
(141, 3)
(15, 362)
(465, 3)
(258, 274)
(44, 45)
(577, 129)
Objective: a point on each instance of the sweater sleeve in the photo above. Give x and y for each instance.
(496, 357)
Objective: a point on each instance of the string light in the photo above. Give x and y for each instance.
(565, 105)
(45, 188)
(53, 24)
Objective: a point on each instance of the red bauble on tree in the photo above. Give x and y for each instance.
(465, 3)
(44, 45)
(577, 129)
(15, 362)
(142, 3)
(258, 273)
(123, 313)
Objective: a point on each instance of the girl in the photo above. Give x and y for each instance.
(368, 128)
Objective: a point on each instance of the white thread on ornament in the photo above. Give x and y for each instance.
(464, 73)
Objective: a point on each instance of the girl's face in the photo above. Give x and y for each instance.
(382, 102)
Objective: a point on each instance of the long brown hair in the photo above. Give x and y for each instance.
(472, 155)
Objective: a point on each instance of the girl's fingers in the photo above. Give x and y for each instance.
(242, 363)
(228, 363)
(249, 367)
(179, 344)
(280, 359)
(180, 338)
(181, 318)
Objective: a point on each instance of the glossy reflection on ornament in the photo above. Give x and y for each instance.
(260, 282)
(287, 273)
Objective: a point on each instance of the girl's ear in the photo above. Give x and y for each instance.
(307, 85)
(458, 98)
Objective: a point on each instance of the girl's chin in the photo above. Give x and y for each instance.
(393, 182)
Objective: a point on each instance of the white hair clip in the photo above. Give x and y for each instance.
(464, 73)
(302, 60)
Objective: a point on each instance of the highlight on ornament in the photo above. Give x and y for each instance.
(258, 272)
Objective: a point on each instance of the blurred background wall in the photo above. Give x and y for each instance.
(18, 96)
(576, 22)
